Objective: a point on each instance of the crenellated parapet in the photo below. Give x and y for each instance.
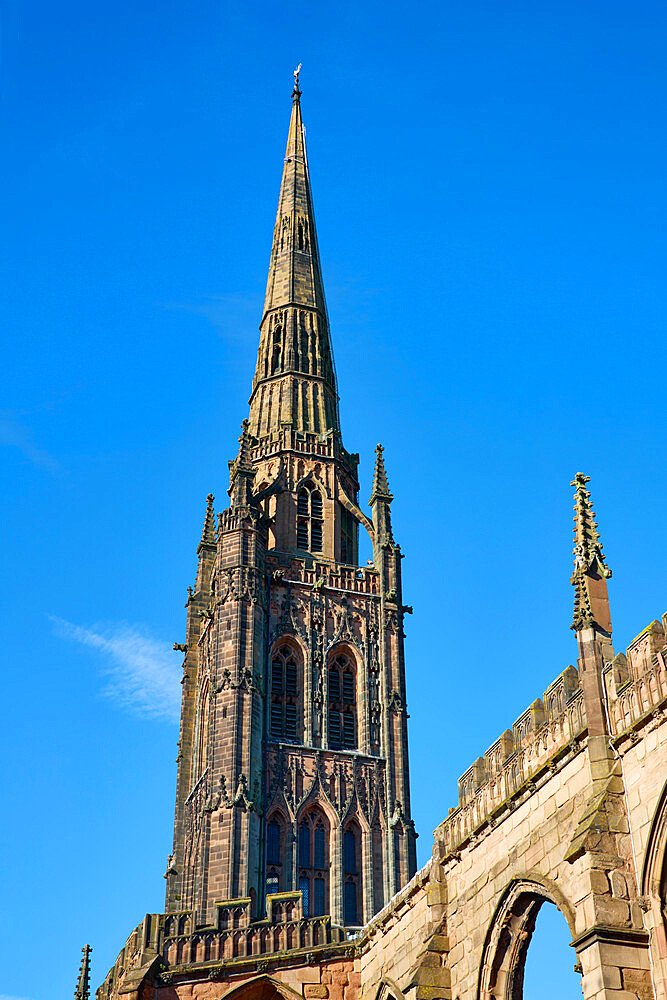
(544, 735)
(636, 681)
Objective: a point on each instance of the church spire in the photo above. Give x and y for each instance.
(295, 380)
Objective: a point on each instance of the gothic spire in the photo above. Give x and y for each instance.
(591, 602)
(295, 381)
(82, 991)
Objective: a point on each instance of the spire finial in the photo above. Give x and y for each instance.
(82, 991)
(296, 93)
(380, 481)
(208, 531)
(591, 604)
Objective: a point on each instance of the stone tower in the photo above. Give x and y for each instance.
(293, 760)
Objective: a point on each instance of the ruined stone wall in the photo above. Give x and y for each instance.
(548, 814)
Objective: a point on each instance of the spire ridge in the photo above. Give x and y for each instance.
(591, 604)
(82, 991)
(295, 380)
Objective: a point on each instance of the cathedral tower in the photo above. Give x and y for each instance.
(293, 765)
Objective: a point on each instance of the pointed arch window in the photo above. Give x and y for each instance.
(275, 840)
(286, 718)
(342, 702)
(201, 739)
(313, 863)
(309, 515)
(276, 350)
(352, 890)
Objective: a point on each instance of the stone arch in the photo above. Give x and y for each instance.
(262, 988)
(510, 933)
(388, 990)
(653, 884)
(654, 868)
(286, 691)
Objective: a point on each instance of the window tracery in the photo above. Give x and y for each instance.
(313, 863)
(342, 702)
(285, 712)
(309, 514)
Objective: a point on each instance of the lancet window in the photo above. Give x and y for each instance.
(313, 863)
(342, 702)
(201, 733)
(348, 537)
(309, 518)
(275, 840)
(286, 713)
(352, 899)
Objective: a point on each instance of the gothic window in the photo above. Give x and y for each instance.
(274, 854)
(277, 349)
(342, 702)
(348, 537)
(309, 516)
(351, 878)
(300, 235)
(285, 721)
(397, 859)
(313, 863)
(202, 733)
(378, 866)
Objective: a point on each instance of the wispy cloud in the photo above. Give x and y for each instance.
(10, 996)
(142, 673)
(14, 434)
(234, 317)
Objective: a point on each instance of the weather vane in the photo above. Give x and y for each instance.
(296, 76)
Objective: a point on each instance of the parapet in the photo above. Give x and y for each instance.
(545, 732)
(173, 941)
(636, 682)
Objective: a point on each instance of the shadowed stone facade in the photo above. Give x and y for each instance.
(293, 872)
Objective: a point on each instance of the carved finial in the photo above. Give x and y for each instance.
(82, 991)
(591, 605)
(208, 531)
(243, 460)
(296, 92)
(380, 481)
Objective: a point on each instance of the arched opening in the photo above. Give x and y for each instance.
(504, 962)
(342, 691)
(201, 730)
(275, 853)
(653, 886)
(352, 889)
(309, 518)
(549, 967)
(262, 988)
(286, 712)
(313, 862)
(349, 531)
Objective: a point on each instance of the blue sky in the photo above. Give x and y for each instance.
(490, 198)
